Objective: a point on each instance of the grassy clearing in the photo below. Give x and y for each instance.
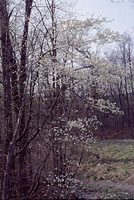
(108, 192)
(110, 160)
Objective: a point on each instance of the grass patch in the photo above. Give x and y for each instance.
(110, 160)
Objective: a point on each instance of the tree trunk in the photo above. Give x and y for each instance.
(23, 134)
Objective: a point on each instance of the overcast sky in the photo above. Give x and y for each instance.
(122, 13)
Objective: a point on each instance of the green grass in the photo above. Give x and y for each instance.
(110, 160)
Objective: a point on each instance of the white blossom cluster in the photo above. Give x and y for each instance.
(79, 131)
(105, 106)
(65, 184)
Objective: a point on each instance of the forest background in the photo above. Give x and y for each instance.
(64, 83)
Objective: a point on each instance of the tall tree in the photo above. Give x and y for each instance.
(12, 91)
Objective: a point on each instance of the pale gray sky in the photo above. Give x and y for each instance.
(122, 13)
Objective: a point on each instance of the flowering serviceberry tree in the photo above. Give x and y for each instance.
(55, 79)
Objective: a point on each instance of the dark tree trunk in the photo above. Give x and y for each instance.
(23, 133)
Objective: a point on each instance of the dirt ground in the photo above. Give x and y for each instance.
(105, 190)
